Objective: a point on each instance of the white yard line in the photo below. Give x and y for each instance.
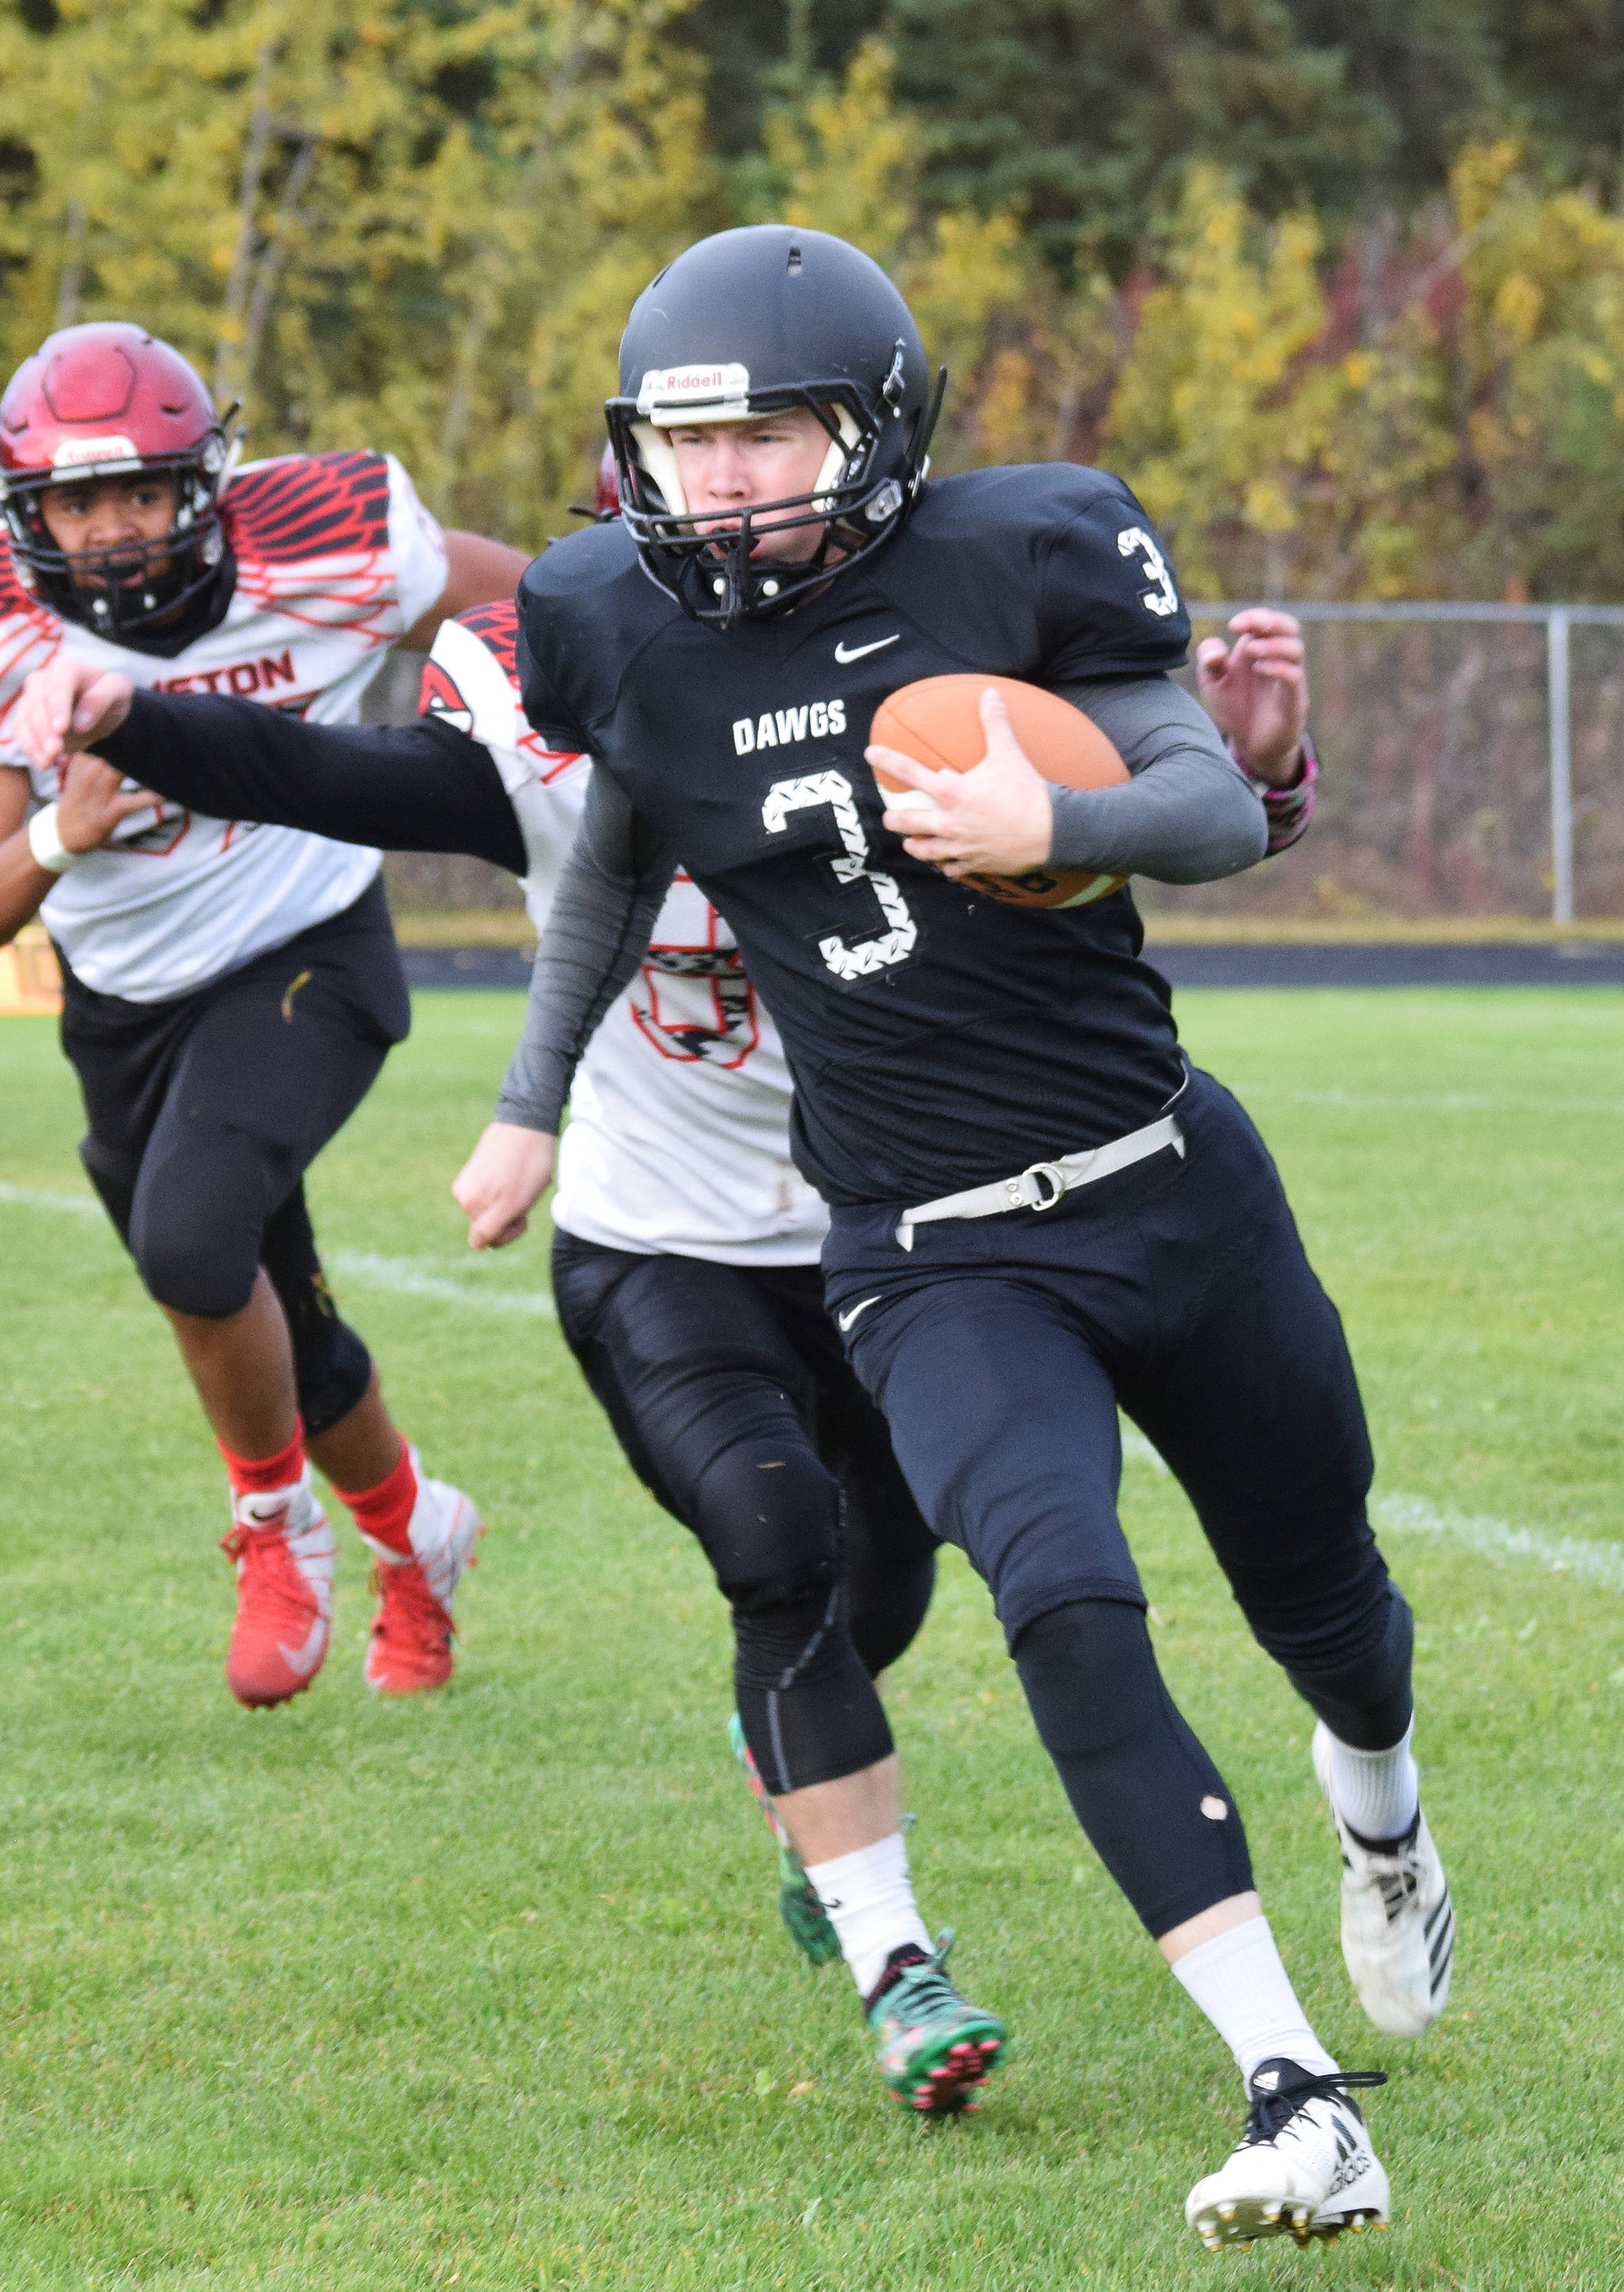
(404, 1277)
(1491, 1539)
(37, 1197)
(409, 1276)
(1498, 1540)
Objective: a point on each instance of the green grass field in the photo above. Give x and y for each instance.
(490, 1989)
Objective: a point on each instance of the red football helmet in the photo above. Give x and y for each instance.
(606, 488)
(106, 400)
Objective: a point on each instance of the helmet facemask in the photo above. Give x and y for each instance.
(868, 477)
(134, 586)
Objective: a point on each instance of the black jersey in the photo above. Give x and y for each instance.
(938, 1037)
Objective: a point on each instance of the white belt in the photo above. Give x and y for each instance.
(1041, 1184)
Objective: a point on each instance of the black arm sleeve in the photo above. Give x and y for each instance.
(413, 788)
(602, 917)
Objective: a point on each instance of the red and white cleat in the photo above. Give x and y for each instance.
(409, 1650)
(281, 1542)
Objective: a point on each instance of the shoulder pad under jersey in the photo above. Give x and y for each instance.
(585, 609)
(1102, 588)
(470, 682)
(307, 505)
(31, 635)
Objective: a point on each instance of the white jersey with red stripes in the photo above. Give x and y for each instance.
(336, 559)
(678, 1139)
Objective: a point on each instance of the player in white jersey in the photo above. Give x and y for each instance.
(230, 991)
(686, 1249)
(685, 1254)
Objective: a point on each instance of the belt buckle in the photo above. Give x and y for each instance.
(1056, 1177)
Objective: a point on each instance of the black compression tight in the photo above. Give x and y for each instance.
(731, 1397)
(1156, 1809)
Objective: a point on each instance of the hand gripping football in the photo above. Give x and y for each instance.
(938, 722)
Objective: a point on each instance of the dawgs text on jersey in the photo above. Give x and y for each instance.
(939, 1036)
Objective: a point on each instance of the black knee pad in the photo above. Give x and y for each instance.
(332, 1372)
(770, 1525)
(1156, 1809)
(890, 1552)
(189, 1262)
(889, 1600)
(768, 1516)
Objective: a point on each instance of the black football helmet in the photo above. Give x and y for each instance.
(750, 322)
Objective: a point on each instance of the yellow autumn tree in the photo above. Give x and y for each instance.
(1208, 422)
(849, 162)
(1462, 435)
(371, 222)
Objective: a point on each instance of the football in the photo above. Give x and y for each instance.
(938, 722)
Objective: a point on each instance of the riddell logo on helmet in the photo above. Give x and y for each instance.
(820, 719)
(73, 451)
(672, 390)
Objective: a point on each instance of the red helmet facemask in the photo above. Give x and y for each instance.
(109, 400)
(606, 487)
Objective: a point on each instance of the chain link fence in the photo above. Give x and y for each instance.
(1474, 765)
(1474, 761)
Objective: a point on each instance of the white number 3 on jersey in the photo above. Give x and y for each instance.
(895, 943)
(1162, 599)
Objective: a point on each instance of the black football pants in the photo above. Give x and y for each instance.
(204, 1112)
(999, 1350)
(729, 1392)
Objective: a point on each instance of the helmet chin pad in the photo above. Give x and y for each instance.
(658, 457)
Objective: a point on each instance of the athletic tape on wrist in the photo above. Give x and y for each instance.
(46, 843)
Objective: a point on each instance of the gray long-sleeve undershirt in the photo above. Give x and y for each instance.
(603, 913)
(1187, 816)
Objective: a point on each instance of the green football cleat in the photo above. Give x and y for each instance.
(933, 2047)
(798, 1906)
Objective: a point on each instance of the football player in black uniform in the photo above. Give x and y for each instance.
(713, 1370)
(1040, 1211)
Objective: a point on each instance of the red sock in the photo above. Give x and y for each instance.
(257, 1476)
(384, 1515)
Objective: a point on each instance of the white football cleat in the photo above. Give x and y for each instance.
(1304, 2168)
(1398, 1924)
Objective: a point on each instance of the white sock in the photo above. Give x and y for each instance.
(871, 1905)
(1238, 1982)
(1376, 1793)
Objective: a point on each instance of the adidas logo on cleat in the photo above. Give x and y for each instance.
(1348, 2171)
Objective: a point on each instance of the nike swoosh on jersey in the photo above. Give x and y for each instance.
(845, 655)
(844, 1320)
(304, 1660)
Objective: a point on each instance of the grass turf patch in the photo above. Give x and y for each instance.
(490, 1989)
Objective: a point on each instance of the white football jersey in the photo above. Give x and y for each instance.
(678, 1138)
(336, 557)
